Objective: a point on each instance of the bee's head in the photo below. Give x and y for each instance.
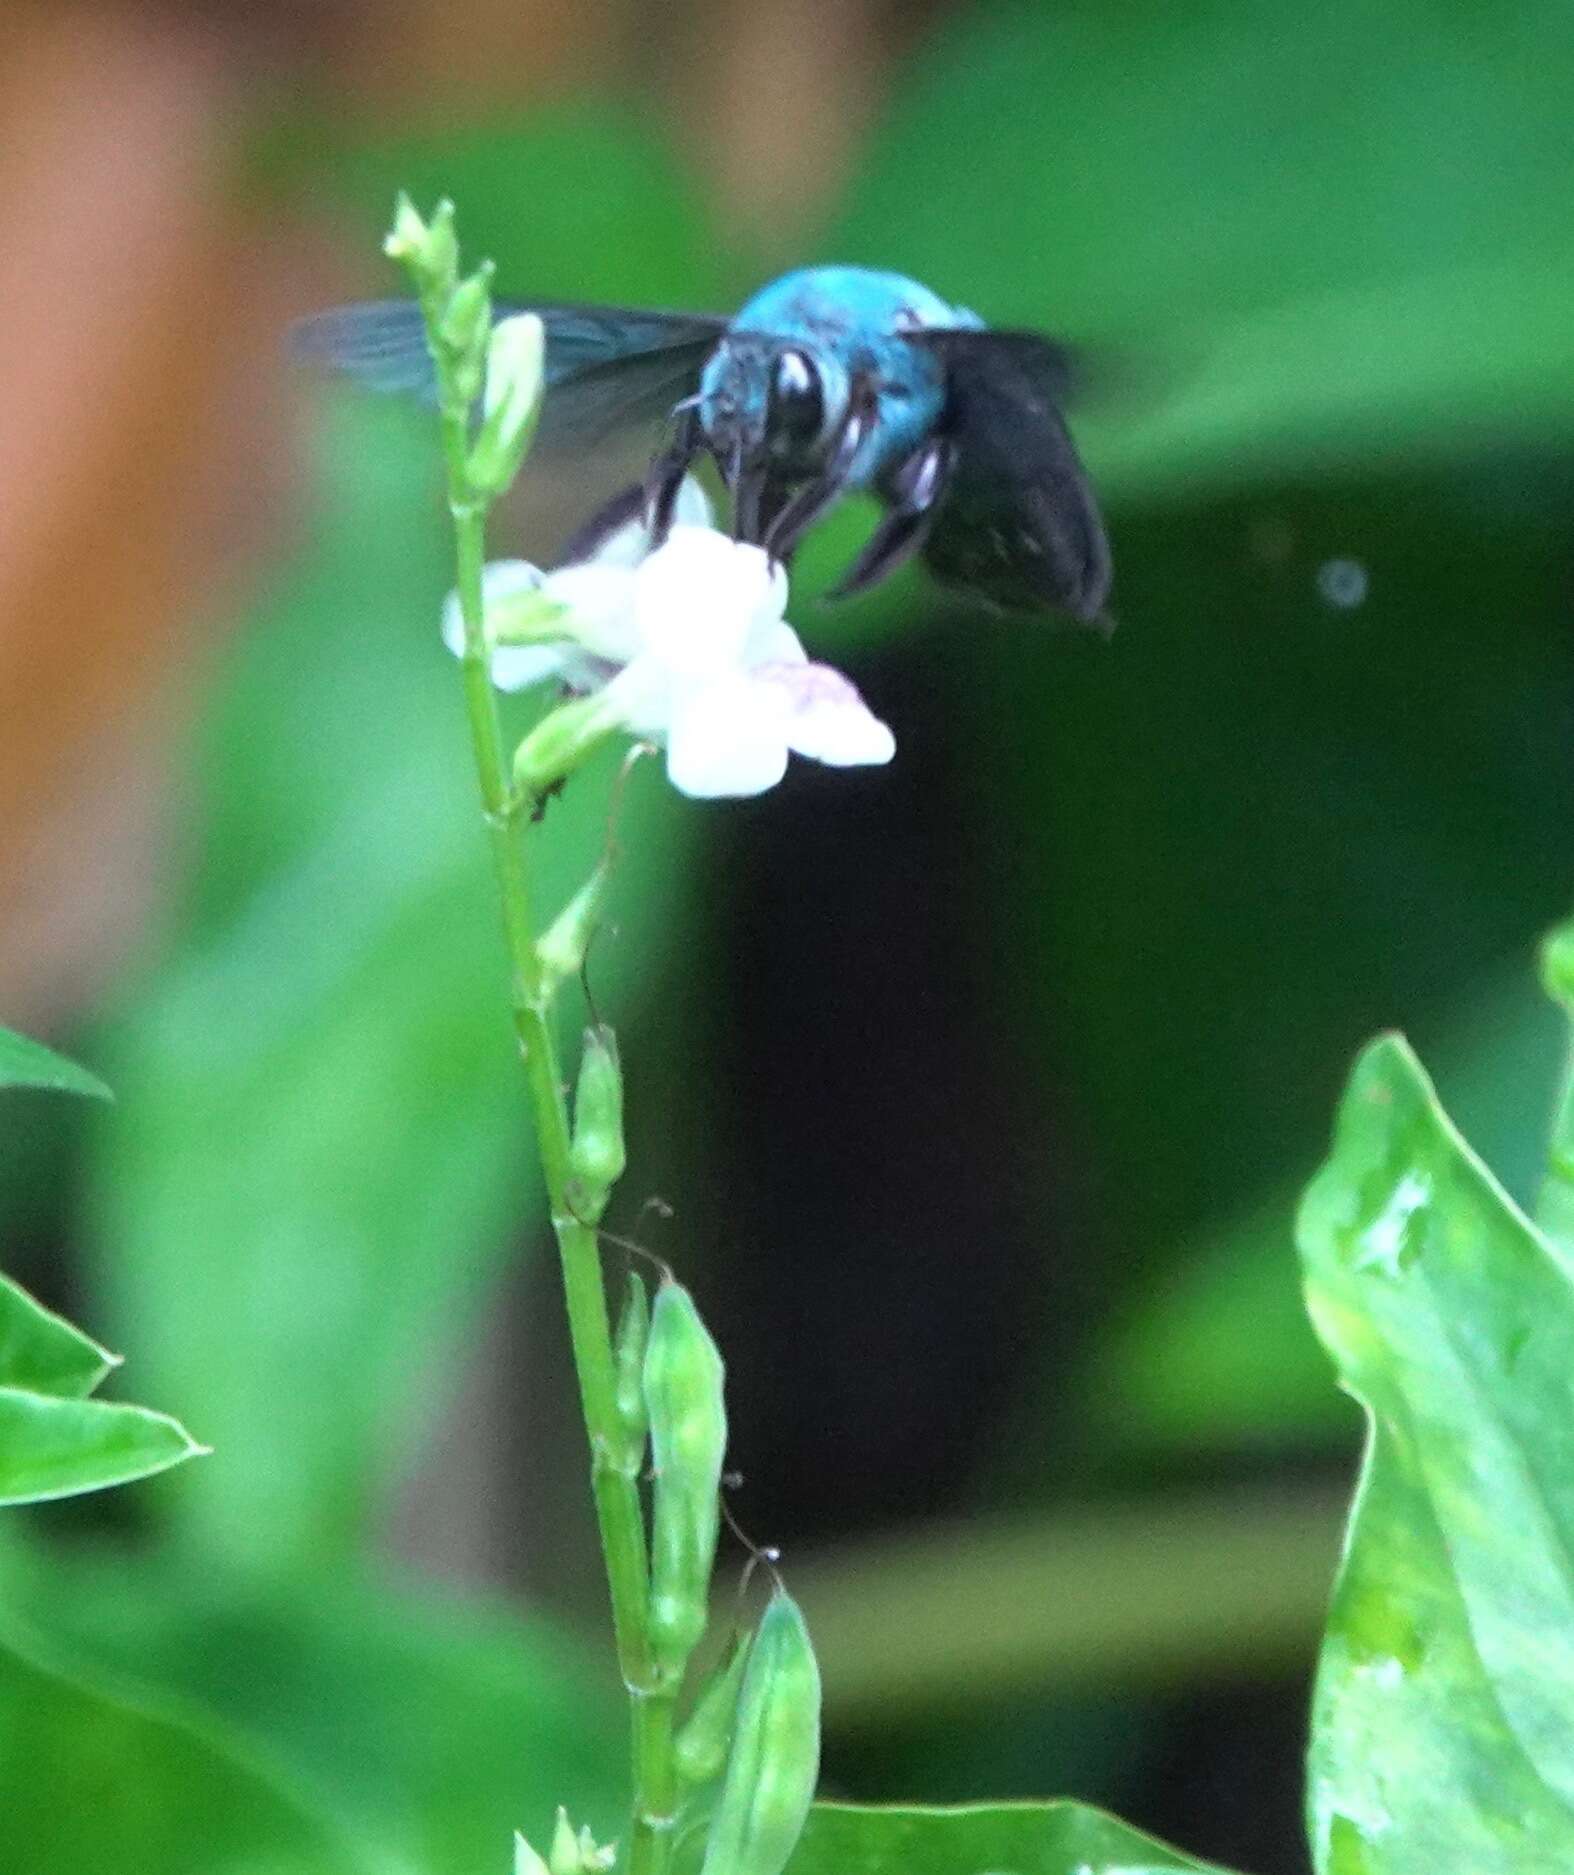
(766, 403)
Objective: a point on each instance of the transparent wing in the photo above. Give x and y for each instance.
(1019, 523)
(607, 367)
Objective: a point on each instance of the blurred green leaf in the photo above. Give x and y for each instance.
(53, 1447)
(92, 1778)
(1219, 1353)
(42, 1353)
(1315, 247)
(26, 1063)
(1027, 1838)
(428, 1724)
(578, 199)
(1443, 1730)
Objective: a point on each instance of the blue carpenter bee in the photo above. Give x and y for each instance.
(830, 379)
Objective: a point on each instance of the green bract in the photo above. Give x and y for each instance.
(688, 1440)
(700, 1748)
(596, 1152)
(775, 1756)
(629, 1346)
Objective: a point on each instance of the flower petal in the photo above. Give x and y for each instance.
(728, 738)
(827, 719)
(600, 600)
(700, 596)
(514, 667)
(773, 642)
(628, 545)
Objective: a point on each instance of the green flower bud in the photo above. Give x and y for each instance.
(513, 402)
(592, 1860)
(526, 1861)
(629, 1395)
(561, 948)
(562, 740)
(688, 1441)
(428, 249)
(462, 331)
(563, 1856)
(596, 1157)
(700, 1748)
(775, 1756)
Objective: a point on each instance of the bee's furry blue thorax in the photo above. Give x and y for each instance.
(850, 319)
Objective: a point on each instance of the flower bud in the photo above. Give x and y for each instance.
(562, 740)
(688, 1440)
(594, 1861)
(428, 249)
(596, 1155)
(462, 331)
(775, 1756)
(700, 1748)
(526, 1860)
(563, 1856)
(513, 402)
(629, 1390)
(561, 948)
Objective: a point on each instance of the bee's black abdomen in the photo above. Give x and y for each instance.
(1020, 525)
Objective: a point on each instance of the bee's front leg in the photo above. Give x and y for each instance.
(918, 486)
(665, 476)
(814, 498)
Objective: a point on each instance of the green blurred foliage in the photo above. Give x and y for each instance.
(97, 1777)
(26, 1063)
(422, 1727)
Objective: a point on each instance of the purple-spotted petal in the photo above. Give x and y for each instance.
(827, 719)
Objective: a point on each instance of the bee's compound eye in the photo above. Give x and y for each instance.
(797, 400)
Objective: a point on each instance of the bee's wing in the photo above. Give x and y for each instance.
(607, 367)
(1019, 524)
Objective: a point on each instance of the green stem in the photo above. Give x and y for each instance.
(619, 1512)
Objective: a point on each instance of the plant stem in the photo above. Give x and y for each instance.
(619, 1512)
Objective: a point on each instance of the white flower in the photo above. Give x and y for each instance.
(686, 646)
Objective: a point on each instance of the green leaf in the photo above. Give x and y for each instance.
(1024, 1838)
(1443, 1729)
(92, 1778)
(41, 1352)
(26, 1063)
(1555, 1206)
(427, 1724)
(53, 1447)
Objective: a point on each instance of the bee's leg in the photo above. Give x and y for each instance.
(811, 501)
(667, 470)
(918, 487)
